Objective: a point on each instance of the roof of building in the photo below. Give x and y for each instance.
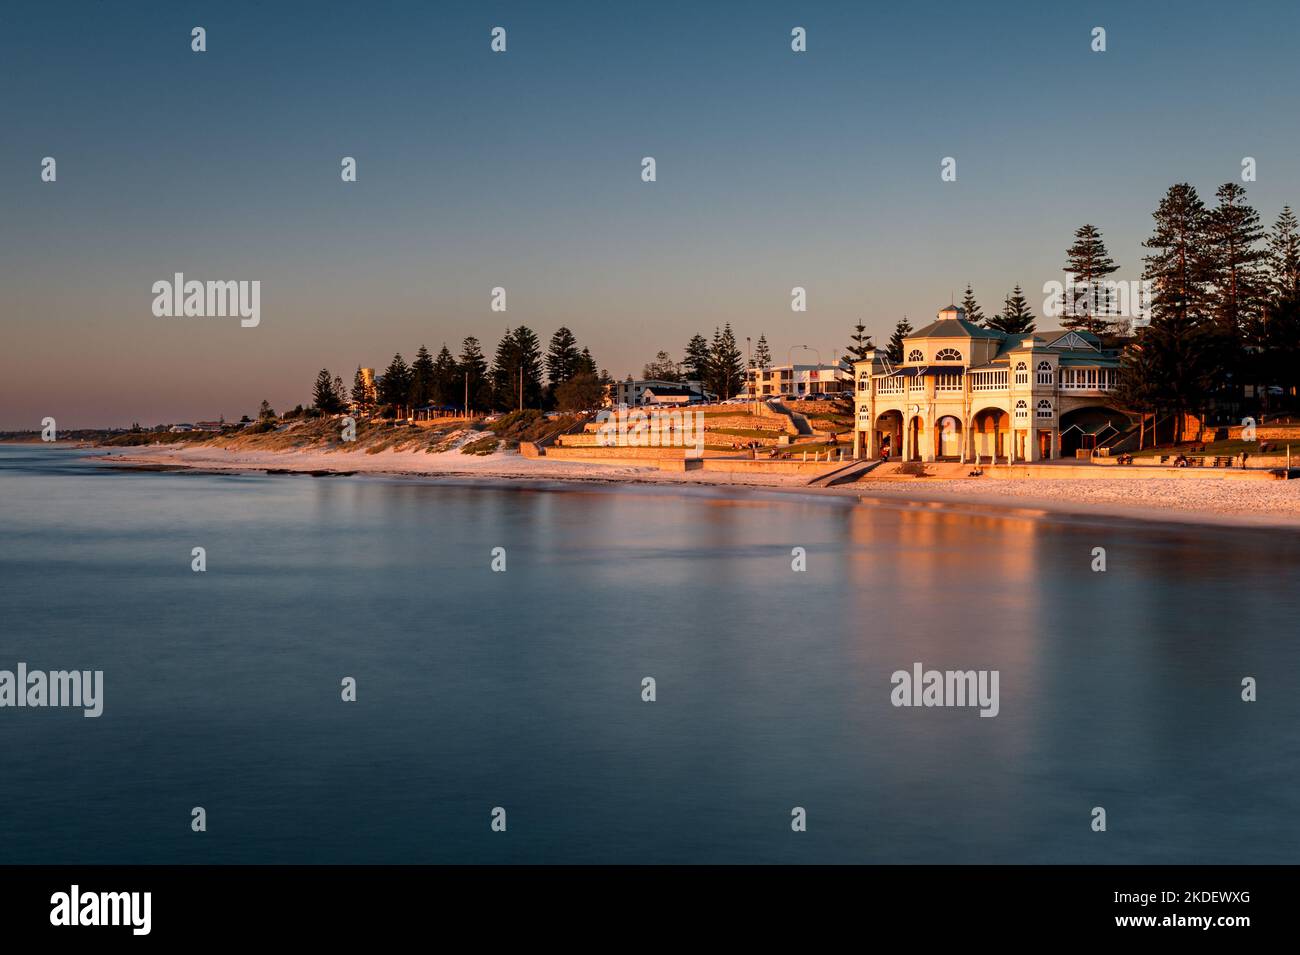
(1092, 361)
(954, 328)
(663, 391)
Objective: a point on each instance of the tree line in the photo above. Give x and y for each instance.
(721, 368)
(520, 375)
(1225, 309)
(1224, 312)
(718, 365)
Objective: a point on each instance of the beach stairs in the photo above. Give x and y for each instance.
(845, 475)
(1126, 440)
(801, 425)
(537, 449)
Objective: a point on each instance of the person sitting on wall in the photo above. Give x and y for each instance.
(1180, 461)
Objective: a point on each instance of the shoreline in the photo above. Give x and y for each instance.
(1271, 504)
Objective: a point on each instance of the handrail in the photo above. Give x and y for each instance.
(546, 439)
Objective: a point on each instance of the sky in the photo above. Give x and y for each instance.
(522, 170)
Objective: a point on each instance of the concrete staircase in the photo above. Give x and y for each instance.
(801, 425)
(847, 474)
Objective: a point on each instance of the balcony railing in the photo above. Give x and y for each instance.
(1087, 379)
(988, 381)
(1095, 380)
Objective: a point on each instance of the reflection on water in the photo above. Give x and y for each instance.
(522, 689)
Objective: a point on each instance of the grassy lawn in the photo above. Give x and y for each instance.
(1215, 449)
(747, 432)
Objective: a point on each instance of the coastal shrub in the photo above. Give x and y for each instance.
(516, 421)
(484, 445)
(527, 425)
(134, 439)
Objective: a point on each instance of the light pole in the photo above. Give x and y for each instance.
(789, 355)
(749, 361)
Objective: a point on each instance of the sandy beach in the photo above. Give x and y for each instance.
(1205, 501)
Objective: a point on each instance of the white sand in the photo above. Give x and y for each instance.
(1195, 500)
(1257, 503)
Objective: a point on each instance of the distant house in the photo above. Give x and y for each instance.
(631, 392)
(797, 381)
(208, 426)
(180, 428)
(434, 412)
(667, 395)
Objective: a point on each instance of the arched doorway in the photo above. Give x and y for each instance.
(947, 438)
(889, 434)
(1086, 428)
(990, 429)
(916, 434)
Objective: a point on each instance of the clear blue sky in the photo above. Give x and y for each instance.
(523, 170)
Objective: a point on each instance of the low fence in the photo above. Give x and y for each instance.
(1138, 472)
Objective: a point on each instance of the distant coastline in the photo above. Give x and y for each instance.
(1269, 504)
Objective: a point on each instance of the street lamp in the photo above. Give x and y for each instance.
(790, 358)
(749, 377)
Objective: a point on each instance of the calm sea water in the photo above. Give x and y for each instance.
(522, 689)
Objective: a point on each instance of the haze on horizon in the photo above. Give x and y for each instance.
(522, 170)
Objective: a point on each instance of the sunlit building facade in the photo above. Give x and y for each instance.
(968, 393)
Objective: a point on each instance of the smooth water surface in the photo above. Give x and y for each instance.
(522, 689)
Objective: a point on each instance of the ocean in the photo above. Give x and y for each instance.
(517, 694)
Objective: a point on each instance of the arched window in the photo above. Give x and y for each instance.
(1044, 409)
(1044, 372)
(1022, 373)
(1022, 410)
(948, 354)
(915, 355)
